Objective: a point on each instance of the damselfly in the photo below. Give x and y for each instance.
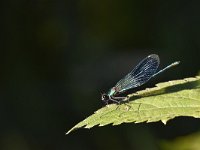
(141, 74)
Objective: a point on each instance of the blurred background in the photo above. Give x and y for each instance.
(56, 57)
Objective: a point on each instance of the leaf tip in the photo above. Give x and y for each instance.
(69, 131)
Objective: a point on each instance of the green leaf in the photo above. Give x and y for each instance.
(164, 102)
(188, 142)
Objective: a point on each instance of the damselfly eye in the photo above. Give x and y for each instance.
(104, 97)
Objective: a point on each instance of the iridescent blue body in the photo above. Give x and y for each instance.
(141, 74)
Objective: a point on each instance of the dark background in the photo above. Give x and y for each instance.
(56, 57)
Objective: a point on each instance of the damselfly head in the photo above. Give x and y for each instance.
(105, 98)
